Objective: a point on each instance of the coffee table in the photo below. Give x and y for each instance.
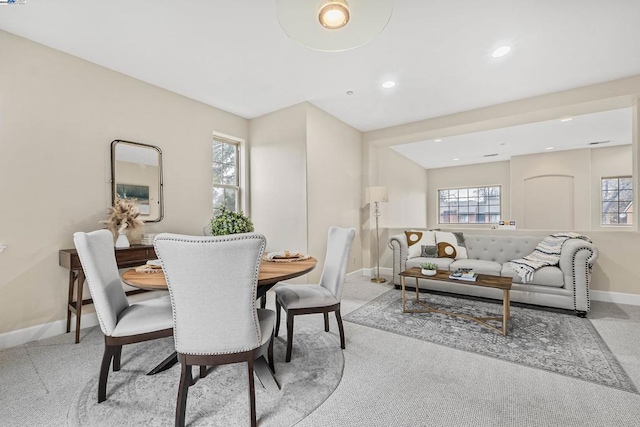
(484, 280)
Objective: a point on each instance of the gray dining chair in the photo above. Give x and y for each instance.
(321, 298)
(121, 323)
(212, 282)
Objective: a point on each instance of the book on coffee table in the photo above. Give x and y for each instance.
(469, 276)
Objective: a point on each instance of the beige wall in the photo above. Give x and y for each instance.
(333, 183)
(555, 166)
(496, 173)
(58, 116)
(278, 176)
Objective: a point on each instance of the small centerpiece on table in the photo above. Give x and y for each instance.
(428, 269)
(228, 222)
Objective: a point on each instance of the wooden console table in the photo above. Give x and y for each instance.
(125, 258)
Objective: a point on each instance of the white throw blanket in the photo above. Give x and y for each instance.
(547, 253)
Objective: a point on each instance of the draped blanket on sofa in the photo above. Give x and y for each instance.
(547, 253)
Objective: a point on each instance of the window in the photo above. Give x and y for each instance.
(617, 201)
(226, 175)
(477, 205)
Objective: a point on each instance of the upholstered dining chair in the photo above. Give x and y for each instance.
(122, 323)
(212, 282)
(323, 297)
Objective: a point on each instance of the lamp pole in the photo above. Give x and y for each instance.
(377, 279)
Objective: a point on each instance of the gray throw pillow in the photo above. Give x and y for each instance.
(429, 251)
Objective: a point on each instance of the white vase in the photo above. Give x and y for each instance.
(122, 241)
(428, 272)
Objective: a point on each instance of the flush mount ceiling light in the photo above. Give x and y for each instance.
(437, 140)
(388, 84)
(501, 51)
(333, 25)
(566, 119)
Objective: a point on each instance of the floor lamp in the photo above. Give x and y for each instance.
(377, 195)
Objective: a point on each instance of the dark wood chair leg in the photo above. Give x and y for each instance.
(117, 357)
(326, 322)
(203, 371)
(270, 354)
(263, 301)
(109, 352)
(252, 392)
(340, 328)
(289, 336)
(278, 308)
(183, 389)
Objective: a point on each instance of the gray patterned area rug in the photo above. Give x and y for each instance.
(556, 342)
(221, 398)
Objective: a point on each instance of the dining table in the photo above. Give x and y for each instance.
(270, 273)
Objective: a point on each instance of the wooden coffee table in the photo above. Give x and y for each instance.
(484, 280)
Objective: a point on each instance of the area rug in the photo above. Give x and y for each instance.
(221, 398)
(556, 342)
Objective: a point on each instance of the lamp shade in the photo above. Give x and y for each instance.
(376, 194)
(359, 21)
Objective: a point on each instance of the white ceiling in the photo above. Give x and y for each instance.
(233, 55)
(555, 135)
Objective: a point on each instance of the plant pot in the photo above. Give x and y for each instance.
(122, 241)
(428, 272)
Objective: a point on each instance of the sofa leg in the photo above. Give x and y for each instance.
(581, 313)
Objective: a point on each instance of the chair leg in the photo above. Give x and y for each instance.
(203, 371)
(270, 354)
(340, 328)
(109, 352)
(252, 392)
(289, 336)
(263, 301)
(116, 359)
(326, 322)
(183, 389)
(278, 308)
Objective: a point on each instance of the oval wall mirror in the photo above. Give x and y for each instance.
(136, 173)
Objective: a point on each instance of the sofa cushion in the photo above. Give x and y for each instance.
(478, 266)
(545, 276)
(417, 239)
(441, 263)
(454, 239)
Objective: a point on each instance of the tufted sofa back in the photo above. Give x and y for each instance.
(500, 248)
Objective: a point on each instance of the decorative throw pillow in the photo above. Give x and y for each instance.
(415, 240)
(429, 251)
(454, 239)
(446, 250)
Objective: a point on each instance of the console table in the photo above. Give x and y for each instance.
(125, 258)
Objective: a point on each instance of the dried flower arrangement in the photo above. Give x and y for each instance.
(123, 217)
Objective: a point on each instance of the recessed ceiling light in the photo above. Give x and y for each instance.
(549, 148)
(456, 159)
(388, 84)
(566, 119)
(349, 92)
(501, 51)
(437, 140)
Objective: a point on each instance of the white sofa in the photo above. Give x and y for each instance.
(565, 286)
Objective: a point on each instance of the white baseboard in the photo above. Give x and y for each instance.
(46, 330)
(355, 274)
(615, 297)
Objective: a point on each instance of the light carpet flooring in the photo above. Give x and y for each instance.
(392, 380)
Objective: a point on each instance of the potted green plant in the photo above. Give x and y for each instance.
(228, 222)
(428, 268)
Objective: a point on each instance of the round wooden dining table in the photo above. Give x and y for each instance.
(270, 274)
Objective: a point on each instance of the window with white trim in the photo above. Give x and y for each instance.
(617, 200)
(472, 205)
(226, 175)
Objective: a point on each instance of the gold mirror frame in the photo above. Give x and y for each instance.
(137, 184)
